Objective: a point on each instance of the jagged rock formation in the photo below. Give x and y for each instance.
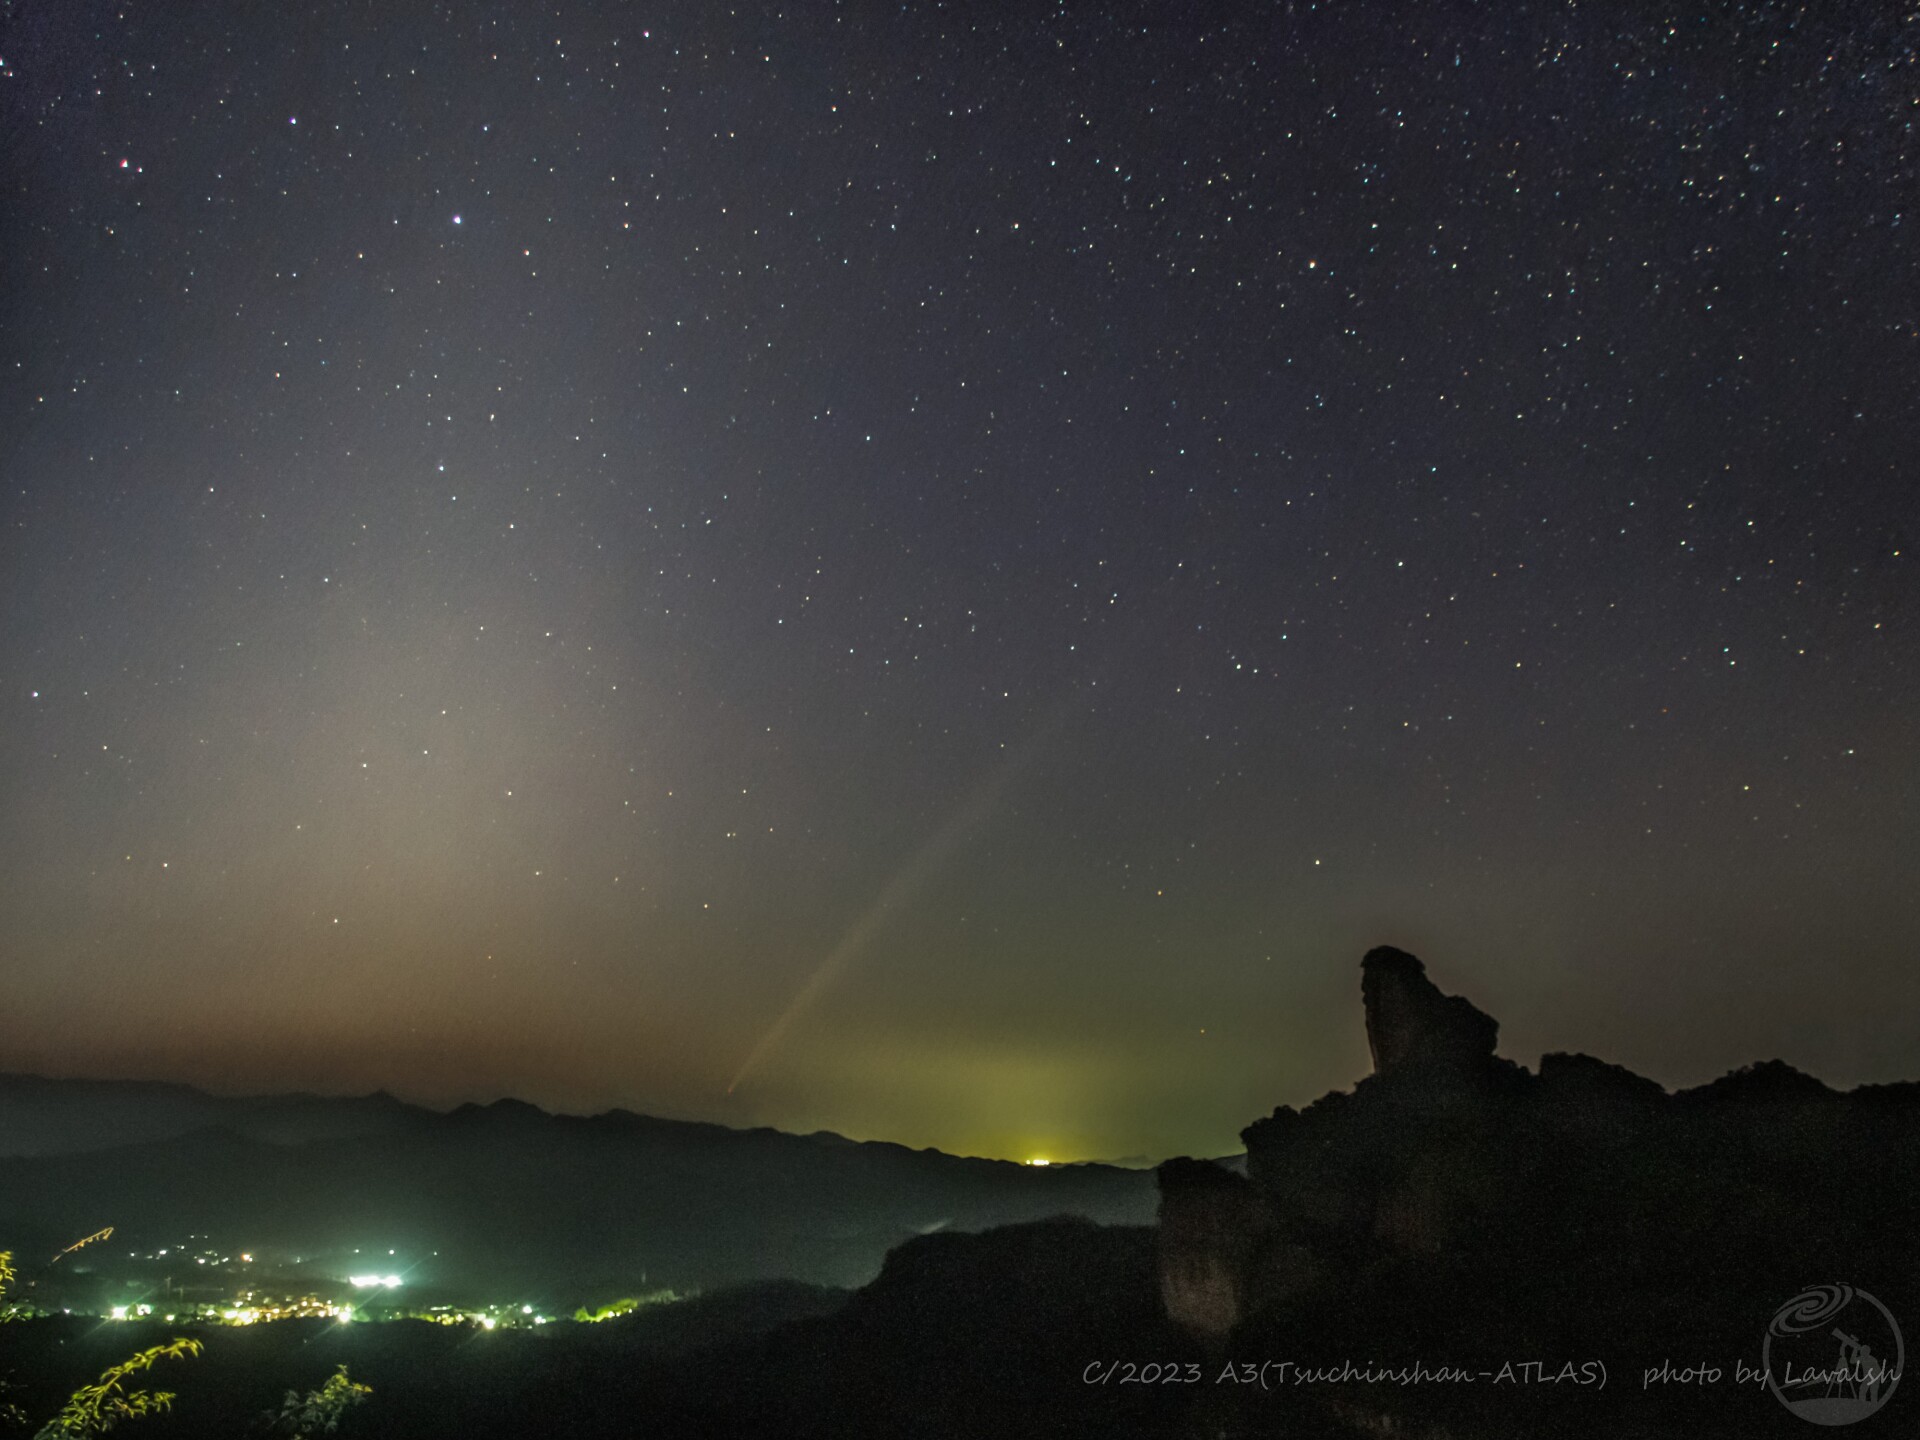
(1211, 1221)
(1412, 1027)
(1453, 1193)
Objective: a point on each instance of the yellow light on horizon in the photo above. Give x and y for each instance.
(1039, 1162)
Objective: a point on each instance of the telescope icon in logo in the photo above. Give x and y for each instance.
(1820, 1383)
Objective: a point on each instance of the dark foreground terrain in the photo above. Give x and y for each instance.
(1458, 1247)
(1039, 1330)
(962, 1335)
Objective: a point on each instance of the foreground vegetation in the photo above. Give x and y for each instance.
(100, 1405)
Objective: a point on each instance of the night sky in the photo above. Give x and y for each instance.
(943, 572)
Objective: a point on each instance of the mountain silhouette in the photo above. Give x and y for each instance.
(507, 1194)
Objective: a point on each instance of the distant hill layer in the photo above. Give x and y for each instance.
(506, 1193)
(39, 1116)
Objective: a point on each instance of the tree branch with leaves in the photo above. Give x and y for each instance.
(95, 1409)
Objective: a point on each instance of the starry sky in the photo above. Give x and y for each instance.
(942, 571)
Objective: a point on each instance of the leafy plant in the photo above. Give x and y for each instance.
(10, 1413)
(319, 1412)
(95, 1409)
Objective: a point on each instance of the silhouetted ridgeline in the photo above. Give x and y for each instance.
(1455, 1206)
(39, 1116)
(1454, 1210)
(510, 1197)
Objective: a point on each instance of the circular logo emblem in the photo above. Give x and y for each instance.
(1833, 1355)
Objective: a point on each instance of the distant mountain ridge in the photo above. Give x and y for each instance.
(504, 1193)
(43, 1116)
(40, 1115)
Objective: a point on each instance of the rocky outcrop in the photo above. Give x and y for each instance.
(1412, 1027)
(1212, 1223)
(1458, 1181)
(1591, 1101)
(1400, 1166)
(1770, 1082)
(1583, 1081)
